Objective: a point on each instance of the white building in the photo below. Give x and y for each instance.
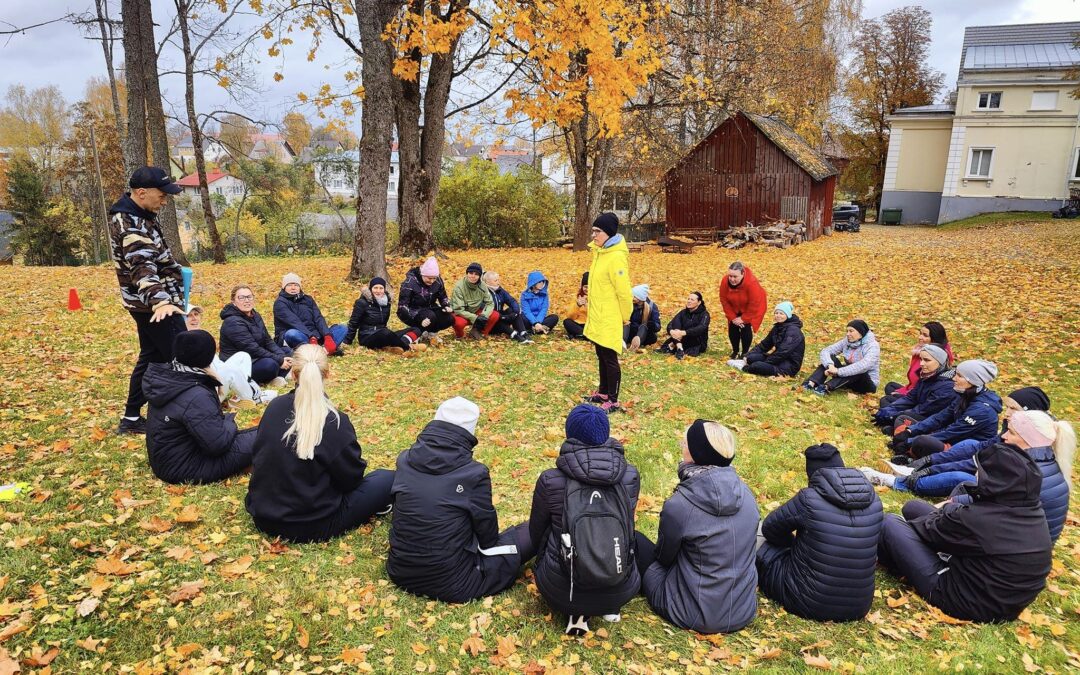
(219, 183)
(339, 172)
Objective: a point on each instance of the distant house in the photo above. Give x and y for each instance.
(751, 168)
(1009, 142)
(183, 153)
(338, 173)
(273, 146)
(219, 183)
(461, 152)
(321, 146)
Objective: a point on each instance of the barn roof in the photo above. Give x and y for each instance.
(794, 146)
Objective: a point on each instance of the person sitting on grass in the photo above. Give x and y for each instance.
(243, 330)
(422, 304)
(297, 319)
(933, 393)
(578, 311)
(851, 363)
(579, 576)
(644, 323)
(974, 414)
(744, 302)
(308, 482)
(700, 574)
(370, 314)
(781, 352)
(688, 331)
(983, 561)
(188, 439)
(931, 332)
(535, 304)
(820, 548)
(444, 537)
(473, 305)
(511, 321)
(237, 388)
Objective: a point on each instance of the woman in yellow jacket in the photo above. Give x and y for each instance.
(609, 307)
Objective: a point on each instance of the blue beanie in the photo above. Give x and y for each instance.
(588, 424)
(787, 308)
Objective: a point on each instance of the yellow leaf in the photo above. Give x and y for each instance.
(817, 662)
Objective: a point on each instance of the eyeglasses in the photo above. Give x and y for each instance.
(245, 297)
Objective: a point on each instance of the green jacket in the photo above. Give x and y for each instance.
(471, 300)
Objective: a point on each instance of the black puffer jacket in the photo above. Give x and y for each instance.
(784, 347)
(188, 439)
(368, 315)
(415, 296)
(243, 333)
(593, 465)
(696, 325)
(1000, 543)
(830, 532)
(442, 516)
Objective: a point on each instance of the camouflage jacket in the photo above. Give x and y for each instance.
(149, 276)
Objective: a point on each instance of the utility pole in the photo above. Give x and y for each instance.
(101, 194)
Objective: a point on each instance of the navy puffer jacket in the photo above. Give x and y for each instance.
(821, 548)
(975, 417)
(188, 439)
(704, 577)
(928, 397)
(243, 333)
(1054, 493)
(298, 311)
(593, 465)
(784, 347)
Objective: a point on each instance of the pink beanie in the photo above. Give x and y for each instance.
(1034, 426)
(430, 268)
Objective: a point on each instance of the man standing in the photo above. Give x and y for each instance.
(151, 286)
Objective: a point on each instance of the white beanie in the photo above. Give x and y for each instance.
(290, 278)
(640, 292)
(459, 411)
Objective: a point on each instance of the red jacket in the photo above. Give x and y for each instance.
(746, 300)
(913, 370)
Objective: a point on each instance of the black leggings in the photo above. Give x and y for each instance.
(764, 369)
(574, 329)
(645, 552)
(440, 320)
(509, 326)
(610, 373)
(551, 320)
(155, 346)
(642, 331)
(860, 383)
(384, 337)
(740, 338)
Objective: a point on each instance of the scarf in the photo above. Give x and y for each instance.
(383, 300)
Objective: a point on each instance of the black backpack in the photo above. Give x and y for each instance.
(597, 543)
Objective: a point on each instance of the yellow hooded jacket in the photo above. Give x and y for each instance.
(610, 300)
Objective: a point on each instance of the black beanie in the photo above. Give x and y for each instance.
(608, 222)
(377, 281)
(1031, 398)
(585, 279)
(859, 325)
(821, 457)
(697, 442)
(194, 348)
(474, 267)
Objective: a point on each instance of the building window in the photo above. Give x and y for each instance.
(392, 187)
(980, 162)
(1044, 100)
(1076, 165)
(990, 100)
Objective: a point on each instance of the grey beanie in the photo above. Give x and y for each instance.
(939, 354)
(978, 372)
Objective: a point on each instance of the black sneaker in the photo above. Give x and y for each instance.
(577, 625)
(680, 354)
(902, 460)
(137, 426)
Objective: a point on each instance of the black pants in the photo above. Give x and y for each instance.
(646, 552)
(764, 369)
(905, 554)
(923, 446)
(509, 325)
(610, 373)
(740, 338)
(440, 320)
(860, 384)
(573, 329)
(357, 507)
(384, 337)
(641, 331)
(155, 346)
(265, 369)
(551, 320)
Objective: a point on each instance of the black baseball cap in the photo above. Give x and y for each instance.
(154, 177)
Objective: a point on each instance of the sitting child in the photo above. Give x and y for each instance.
(535, 304)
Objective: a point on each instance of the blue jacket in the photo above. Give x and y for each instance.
(505, 304)
(962, 420)
(300, 312)
(927, 398)
(654, 315)
(535, 305)
(820, 548)
(704, 578)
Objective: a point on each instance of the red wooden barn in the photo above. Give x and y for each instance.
(750, 168)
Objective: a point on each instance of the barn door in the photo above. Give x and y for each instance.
(793, 208)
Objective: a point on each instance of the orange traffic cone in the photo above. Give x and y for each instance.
(73, 300)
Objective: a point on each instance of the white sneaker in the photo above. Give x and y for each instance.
(577, 625)
(877, 477)
(267, 395)
(737, 364)
(899, 470)
(277, 383)
(613, 618)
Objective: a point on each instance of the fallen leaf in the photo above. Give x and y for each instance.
(179, 553)
(302, 637)
(114, 566)
(89, 644)
(8, 665)
(419, 648)
(188, 590)
(506, 645)
(237, 568)
(474, 645)
(156, 524)
(817, 662)
(354, 656)
(189, 514)
(87, 606)
(40, 659)
(897, 602)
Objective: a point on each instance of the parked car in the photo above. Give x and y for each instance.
(847, 217)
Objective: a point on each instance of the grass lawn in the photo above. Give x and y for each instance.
(102, 567)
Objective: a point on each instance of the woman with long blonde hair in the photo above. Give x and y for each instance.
(308, 481)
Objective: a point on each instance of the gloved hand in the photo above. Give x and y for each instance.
(920, 463)
(916, 475)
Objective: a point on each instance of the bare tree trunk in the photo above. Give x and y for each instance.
(377, 124)
(135, 141)
(105, 28)
(183, 8)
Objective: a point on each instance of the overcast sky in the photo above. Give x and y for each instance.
(59, 54)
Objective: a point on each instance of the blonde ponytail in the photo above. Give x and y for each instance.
(310, 406)
(1065, 449)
